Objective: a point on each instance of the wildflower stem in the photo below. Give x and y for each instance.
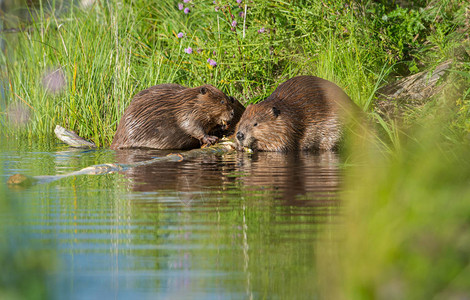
(244, 22)
(236, 37)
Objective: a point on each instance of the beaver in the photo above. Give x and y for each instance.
(238, 109)
(172, 116)
(303, 113)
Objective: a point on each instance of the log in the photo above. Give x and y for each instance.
(71, 138)
(411, 91)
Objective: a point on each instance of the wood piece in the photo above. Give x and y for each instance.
(71, 138)
(21, 180)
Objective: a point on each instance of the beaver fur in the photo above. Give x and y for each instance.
(238, 110)
(303, 113)
(171, 116)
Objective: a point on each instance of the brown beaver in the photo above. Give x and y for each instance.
(303, 113)
(171, 116)
(229, 130)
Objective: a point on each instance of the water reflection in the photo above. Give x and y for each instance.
(296, 178)
(294, 175)
(236, 226)
(205, 172)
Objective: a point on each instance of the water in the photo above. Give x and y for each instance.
(236, 226)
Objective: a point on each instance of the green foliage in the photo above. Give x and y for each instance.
(413, 34)
(406, 231)
(107, 52)
(407, 225)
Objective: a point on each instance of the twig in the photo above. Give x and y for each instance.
(20, 180)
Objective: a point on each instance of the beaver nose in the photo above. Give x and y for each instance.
(232, 114)
(240, 136)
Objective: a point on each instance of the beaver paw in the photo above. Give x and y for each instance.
(208, 140)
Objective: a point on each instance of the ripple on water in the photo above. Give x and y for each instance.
(231, 226)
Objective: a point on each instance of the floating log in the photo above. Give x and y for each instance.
(71, 138)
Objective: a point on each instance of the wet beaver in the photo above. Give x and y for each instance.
(171, 116)
(238, 109)
(303, 113)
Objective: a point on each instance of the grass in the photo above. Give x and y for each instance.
(109, 51)
(406, 231)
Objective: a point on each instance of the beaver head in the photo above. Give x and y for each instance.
(212, 106)
(265, 127)
(238, 110)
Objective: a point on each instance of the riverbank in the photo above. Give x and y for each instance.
(79, 67)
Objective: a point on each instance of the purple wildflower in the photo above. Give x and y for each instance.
(180, 6)
(239, 1)
(212, 62)
(216, 8)
(54, 81)
(234, 23)
(18, 113)
(188, 50)
(186, 10)
(186, 1)
(214, 53)
(241, 14)
(180, 35)
(262, 30)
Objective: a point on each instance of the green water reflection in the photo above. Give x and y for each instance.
(238, 226)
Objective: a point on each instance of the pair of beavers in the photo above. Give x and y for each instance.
(303, 113)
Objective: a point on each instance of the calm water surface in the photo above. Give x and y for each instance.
(237, 226)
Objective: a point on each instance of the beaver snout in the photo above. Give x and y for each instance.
(224, 124)
(240, 136)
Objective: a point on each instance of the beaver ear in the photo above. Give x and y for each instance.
(203, 90)
(276, 111)
(232, 100)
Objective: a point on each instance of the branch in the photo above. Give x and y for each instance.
(71, 138)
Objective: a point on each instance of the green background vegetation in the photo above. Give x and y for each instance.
(407, 209)
(107, 52)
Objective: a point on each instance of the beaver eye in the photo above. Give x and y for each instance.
(256, 124)
(222, 101)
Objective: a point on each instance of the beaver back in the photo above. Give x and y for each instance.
(171, 116)
(303, 113)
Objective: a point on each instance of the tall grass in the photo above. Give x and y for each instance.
(406, 232)
(107, 52)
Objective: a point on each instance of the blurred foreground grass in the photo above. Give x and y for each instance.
(24, 261)
(406, 233)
